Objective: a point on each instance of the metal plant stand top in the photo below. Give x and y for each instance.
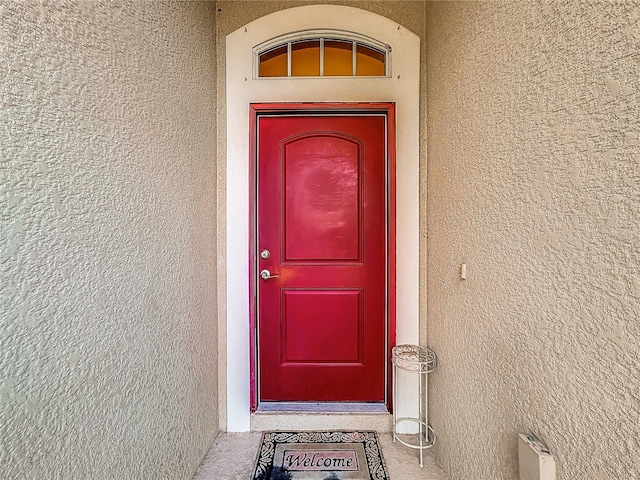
(420, 361)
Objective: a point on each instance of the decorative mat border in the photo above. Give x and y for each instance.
(369, 440)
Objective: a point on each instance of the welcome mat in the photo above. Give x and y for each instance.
(320, 456)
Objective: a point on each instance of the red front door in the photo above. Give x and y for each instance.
(322, 263)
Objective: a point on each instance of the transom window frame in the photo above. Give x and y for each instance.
(321, 35)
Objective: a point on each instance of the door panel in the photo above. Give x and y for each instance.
(322, 216)
(322, 326)
(322, 187)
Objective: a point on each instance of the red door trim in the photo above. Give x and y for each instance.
(387, 109)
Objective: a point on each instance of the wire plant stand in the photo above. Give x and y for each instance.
(420, 361)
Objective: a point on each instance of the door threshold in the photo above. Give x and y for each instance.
(322, 407)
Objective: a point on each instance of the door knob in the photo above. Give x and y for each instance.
(266, 275)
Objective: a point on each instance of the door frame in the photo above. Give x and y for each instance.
(242, 88)
(347, 108)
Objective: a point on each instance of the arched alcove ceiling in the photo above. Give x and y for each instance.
(244, 88)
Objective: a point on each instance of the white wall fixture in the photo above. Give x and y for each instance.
(536, 462)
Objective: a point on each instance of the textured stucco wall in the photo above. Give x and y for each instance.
(107, 240)
(231, 15)
(534, 182)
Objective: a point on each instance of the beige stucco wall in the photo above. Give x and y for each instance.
(534, 183)
(232, 15)
(107, 239)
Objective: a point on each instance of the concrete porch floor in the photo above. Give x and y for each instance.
(232, 455)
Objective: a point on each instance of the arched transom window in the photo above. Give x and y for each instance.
(325, 53)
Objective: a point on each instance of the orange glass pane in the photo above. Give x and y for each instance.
(273, 63)
(305, 59)
(369, 62)
(338, 58)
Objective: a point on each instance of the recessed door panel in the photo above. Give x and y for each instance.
(322, 326)
(321, 295)
(322, 205)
